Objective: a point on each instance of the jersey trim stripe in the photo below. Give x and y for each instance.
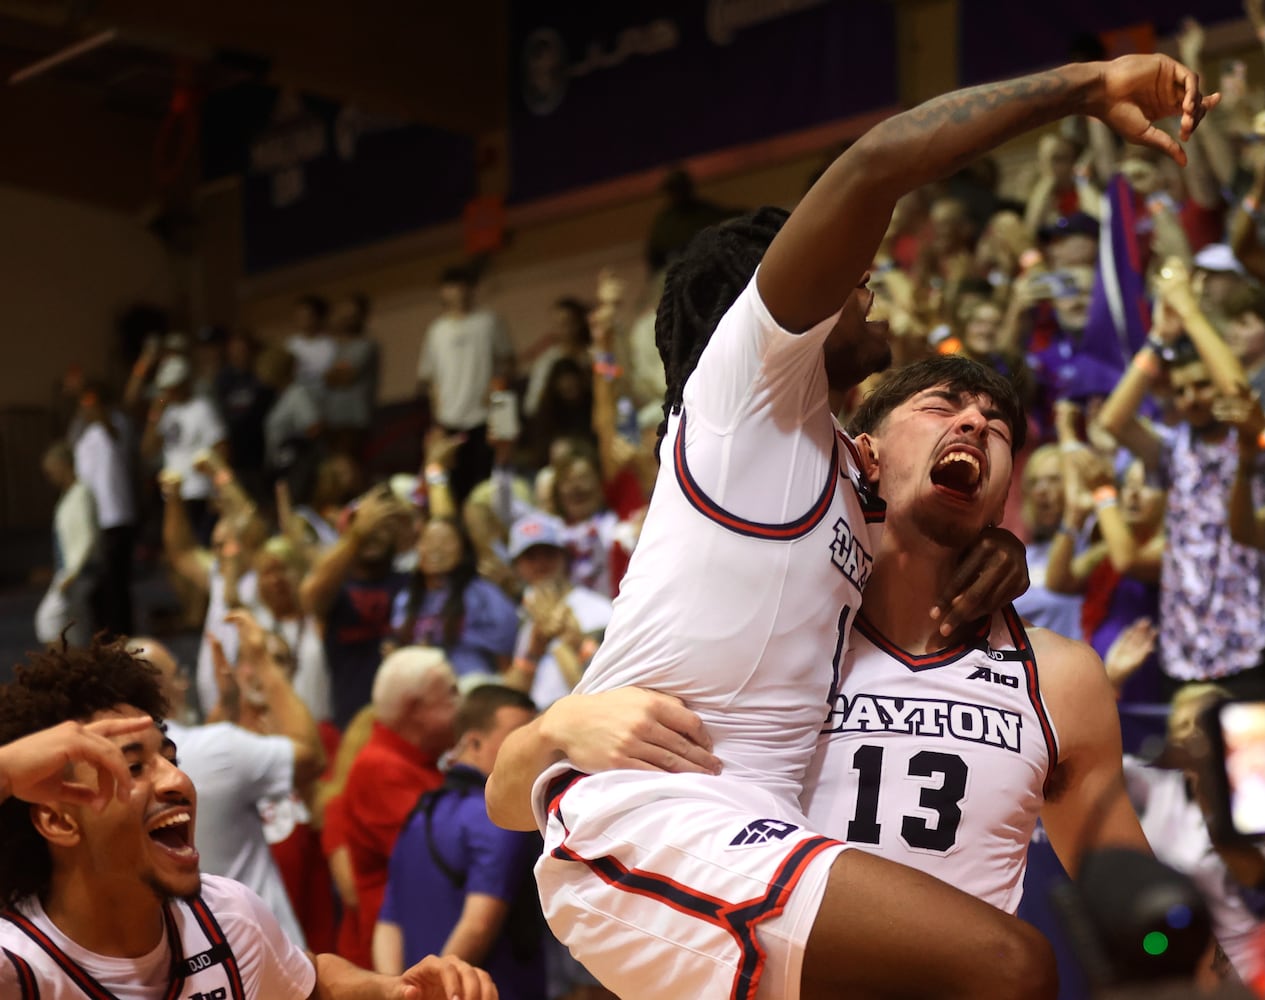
(789, 531)
(73, 972)
(26, 977)
(920, 661)
(739, 920)
(1019, 636)
(206, 920)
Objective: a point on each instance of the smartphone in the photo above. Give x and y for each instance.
(503, 423)
(1236, 731)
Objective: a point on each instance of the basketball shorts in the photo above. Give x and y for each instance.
(681, 885)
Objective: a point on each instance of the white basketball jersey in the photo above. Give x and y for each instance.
(938, 761)
(757, 543)
(207, 958)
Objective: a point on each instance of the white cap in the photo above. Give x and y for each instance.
(1219, 257)
(172, 372)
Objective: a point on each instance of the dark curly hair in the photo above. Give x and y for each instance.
(699, 289)
(55, 686)
(960, 375)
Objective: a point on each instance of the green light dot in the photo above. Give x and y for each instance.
(1155, 943)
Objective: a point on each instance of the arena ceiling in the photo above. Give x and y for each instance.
(86, 85)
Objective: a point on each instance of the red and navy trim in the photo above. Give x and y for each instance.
(219, 946)
(739, 920)
(789, 531)
(1019, 636)
(26, 976)
(74, 972)
(922, 661)
(873, 507)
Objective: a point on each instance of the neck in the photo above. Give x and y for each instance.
(908, 578)
(1212, 432)
(435, 581)
(112, 917)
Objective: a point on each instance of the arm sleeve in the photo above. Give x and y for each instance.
(752, 364)
(271, 964)
(264, 764)
(500, 860)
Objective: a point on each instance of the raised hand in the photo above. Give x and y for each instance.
(1129, 651)
(1245, 413)
(35, 768)
(1139, 90)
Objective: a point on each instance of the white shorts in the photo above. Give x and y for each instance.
(689, 885)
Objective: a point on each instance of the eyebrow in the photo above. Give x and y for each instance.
(990, 413)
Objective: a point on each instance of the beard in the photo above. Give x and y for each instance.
(166, 892)
(939, 530)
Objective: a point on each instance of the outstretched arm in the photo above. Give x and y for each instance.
(629, 728)
(825, 247)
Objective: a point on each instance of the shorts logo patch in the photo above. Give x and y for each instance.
(761, 831)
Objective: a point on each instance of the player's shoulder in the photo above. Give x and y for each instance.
(1061, 652)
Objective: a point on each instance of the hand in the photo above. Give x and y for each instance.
(375, 508)
(447, 978)
(440, 447)
(1130, 650)
(545, 606)
(35, 768)
(252, 645)
(207, 462)
(992, 573)
(1190, 42)
(1141, 89)
(610, 288)
(631, 729)
(1172, 285)
(602, 327)
(1245, 414)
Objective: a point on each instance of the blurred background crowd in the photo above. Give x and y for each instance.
(362, 549)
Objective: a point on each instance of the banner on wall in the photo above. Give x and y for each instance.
(998, 40)
(600, 90)
(319, 177)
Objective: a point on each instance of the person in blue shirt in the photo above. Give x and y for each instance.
(458, 884)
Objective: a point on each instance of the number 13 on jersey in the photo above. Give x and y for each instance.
(884, 776)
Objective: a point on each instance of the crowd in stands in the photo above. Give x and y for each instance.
(366, 646)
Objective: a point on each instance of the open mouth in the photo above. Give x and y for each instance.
(957, 473)
(174, 832)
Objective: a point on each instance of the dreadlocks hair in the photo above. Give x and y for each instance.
(454, 609)
(55, 686)
(958, 374)
(698, 290)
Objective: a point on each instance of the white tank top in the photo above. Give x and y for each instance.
(938, 761)
(759, 538)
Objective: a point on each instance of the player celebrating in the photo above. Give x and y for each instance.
(103, 894)
(759, 539)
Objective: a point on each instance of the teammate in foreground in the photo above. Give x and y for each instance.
(103, 894)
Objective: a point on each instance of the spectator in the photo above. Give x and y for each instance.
(1212, 590)
(351, 590)
(311, 344)
(1070, 241)
(181, 426)
(1218, 274)
(459, 884)
(244, 401)
(278, 574)
(463, 351)
(233, 768)
(449, 606)
(1246, 503)
(351, 383)
(565, 621)
(1042, 516)
(101, 462)
(1244, 330)
(568, 337)
(684, 214)
(292, 427)
(1172, 803)
(414, 704)
(565, 408)
(1058, 191)
(66, 608)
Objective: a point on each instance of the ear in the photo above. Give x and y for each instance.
(59, 826)
(867, 448)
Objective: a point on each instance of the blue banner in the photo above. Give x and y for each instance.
(604, 89)
(318, 177)
(1008, 39)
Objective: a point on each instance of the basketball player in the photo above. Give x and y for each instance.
(104, 899)
(942, 755)
(759, 539)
